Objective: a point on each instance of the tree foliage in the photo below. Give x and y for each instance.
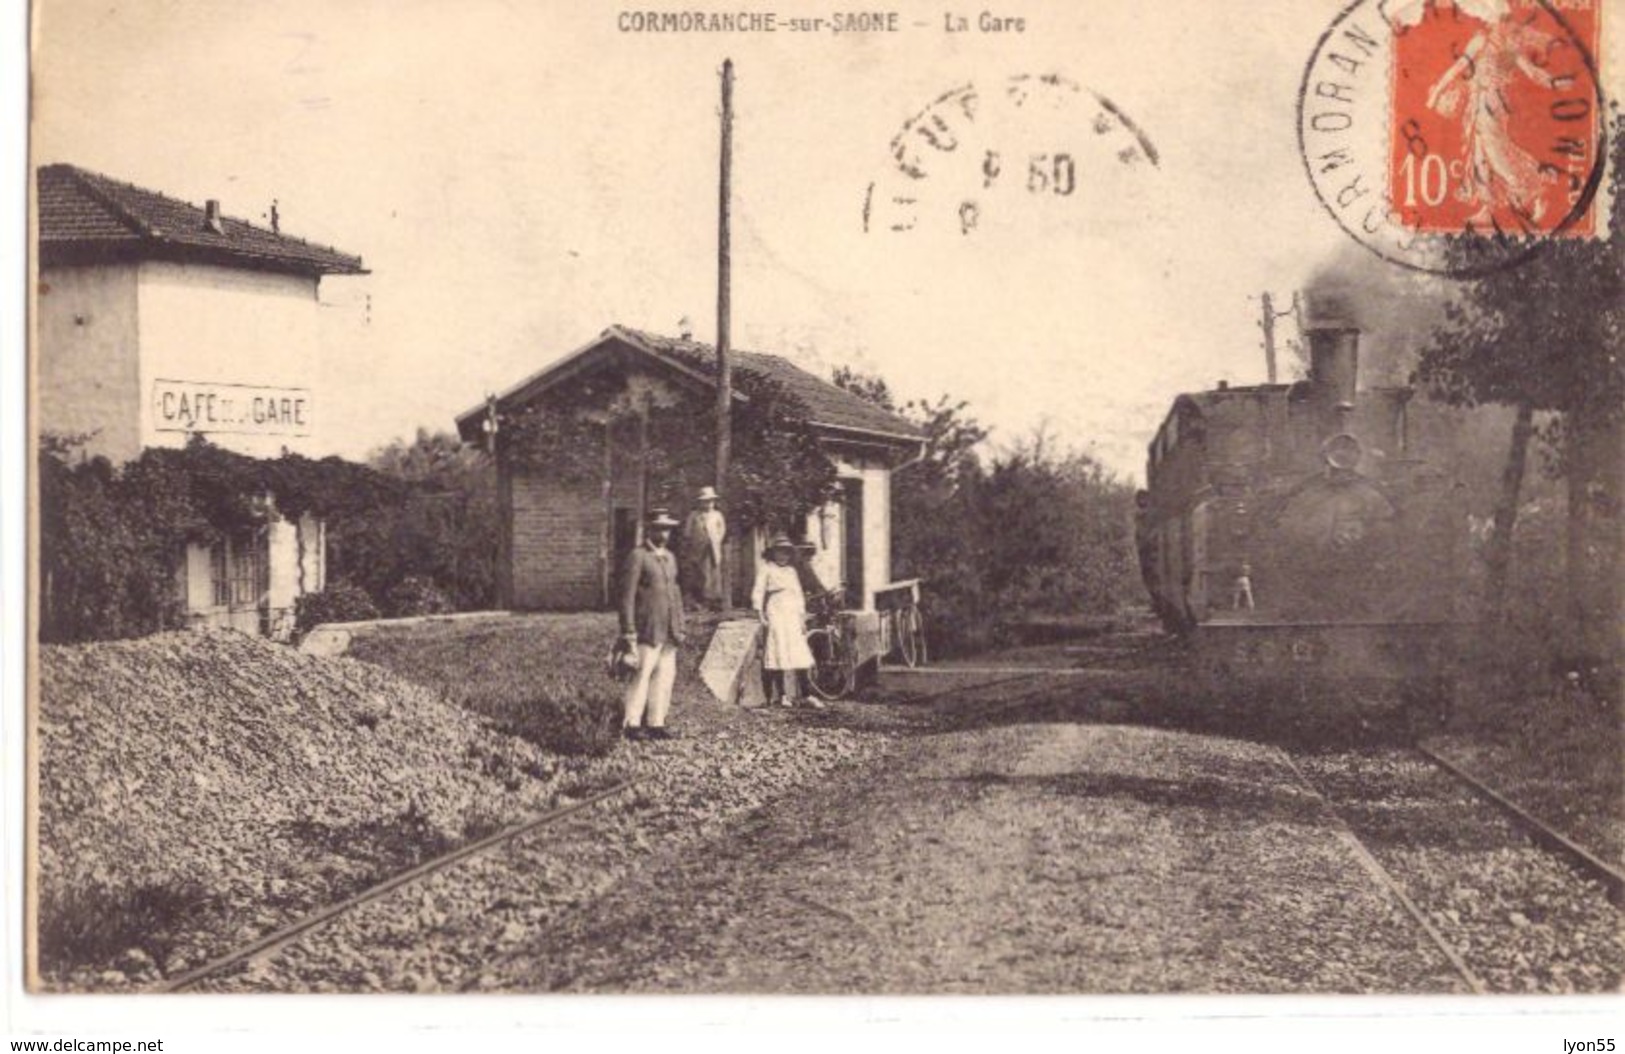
(1549, 335)
(778, 470)
(432, 548)
(1031, 530)
(1549, 332)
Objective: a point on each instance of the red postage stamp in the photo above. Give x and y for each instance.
(1496, 123)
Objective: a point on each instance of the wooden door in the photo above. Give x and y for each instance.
(852, 540)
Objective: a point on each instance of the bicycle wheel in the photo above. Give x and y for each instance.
(831, 673)
(911, 636)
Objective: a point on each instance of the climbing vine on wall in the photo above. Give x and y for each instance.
(778, 469)
(112, 539)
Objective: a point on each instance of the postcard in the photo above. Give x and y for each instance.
(1096, 500)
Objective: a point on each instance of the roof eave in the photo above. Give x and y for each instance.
(70, 253)
(870, 434)
(539, 382)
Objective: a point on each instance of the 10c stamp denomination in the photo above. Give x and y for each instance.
(1456, 137)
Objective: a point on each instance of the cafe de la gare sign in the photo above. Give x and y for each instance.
(244, 409)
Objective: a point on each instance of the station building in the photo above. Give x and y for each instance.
(563, 536)
(157, 320)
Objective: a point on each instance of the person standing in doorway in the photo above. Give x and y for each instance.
(651, 621)
(782, 607)
(703, 535)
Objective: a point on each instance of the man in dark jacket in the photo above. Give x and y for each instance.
(652, 622)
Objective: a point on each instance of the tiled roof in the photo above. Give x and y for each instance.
(88, 218)
(827, 405)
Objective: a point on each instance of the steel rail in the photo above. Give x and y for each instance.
(285, 935)
(278, 938)
(1386, 881)
(1579, 857)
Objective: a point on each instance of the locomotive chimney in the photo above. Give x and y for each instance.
(1334, 363)
(1334, 347)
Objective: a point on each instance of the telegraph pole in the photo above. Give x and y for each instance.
(724, 367)
(1269, 337)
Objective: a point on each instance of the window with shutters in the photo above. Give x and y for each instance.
(239, 569)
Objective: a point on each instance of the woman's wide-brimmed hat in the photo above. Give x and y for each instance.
(708, 494)
(779, 541)
(661, 518)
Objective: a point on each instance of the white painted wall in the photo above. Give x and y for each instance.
(87, 371)
(242, 337)
(830, 559)
(116, 341)
(876, 531)
(313, 554)
(283, 543)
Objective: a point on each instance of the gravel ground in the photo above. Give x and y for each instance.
(956, 832)
(442, 934)
(198, 789)
(1521, 918)
(990, 839)
(1006, 857)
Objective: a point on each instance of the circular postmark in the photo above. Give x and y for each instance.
(1456, 137)
(1029, 141)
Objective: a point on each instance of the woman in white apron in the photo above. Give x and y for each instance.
(779, 601)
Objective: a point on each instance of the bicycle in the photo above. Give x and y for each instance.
(834, 671)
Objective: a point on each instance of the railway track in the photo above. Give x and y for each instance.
(1578, 856)
(1017, 690)
(1462, 943)
(1391, 885)
(286, 935)
(282, 937)
(1429, 842)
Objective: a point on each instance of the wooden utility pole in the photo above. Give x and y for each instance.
(1269, 338)
(724, 367)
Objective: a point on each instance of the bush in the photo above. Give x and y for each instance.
(957, 621)
(339, 602)
(416, 595)
(578, 714)
(108, 553)
(444, 531)
(539, 678)
(94, 920)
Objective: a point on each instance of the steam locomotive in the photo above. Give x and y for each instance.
(1303, 544)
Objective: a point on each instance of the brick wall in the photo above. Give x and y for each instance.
(556, 544)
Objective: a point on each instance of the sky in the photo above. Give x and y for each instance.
(519, 176)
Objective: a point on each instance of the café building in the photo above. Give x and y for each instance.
(157, 320)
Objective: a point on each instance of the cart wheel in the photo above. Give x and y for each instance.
(911, 636)
(831, 673)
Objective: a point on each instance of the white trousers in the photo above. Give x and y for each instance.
(651, 688)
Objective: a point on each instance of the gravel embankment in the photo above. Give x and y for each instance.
(1520, 917)
(1009, 834)
(198, 789)
(443, 934)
